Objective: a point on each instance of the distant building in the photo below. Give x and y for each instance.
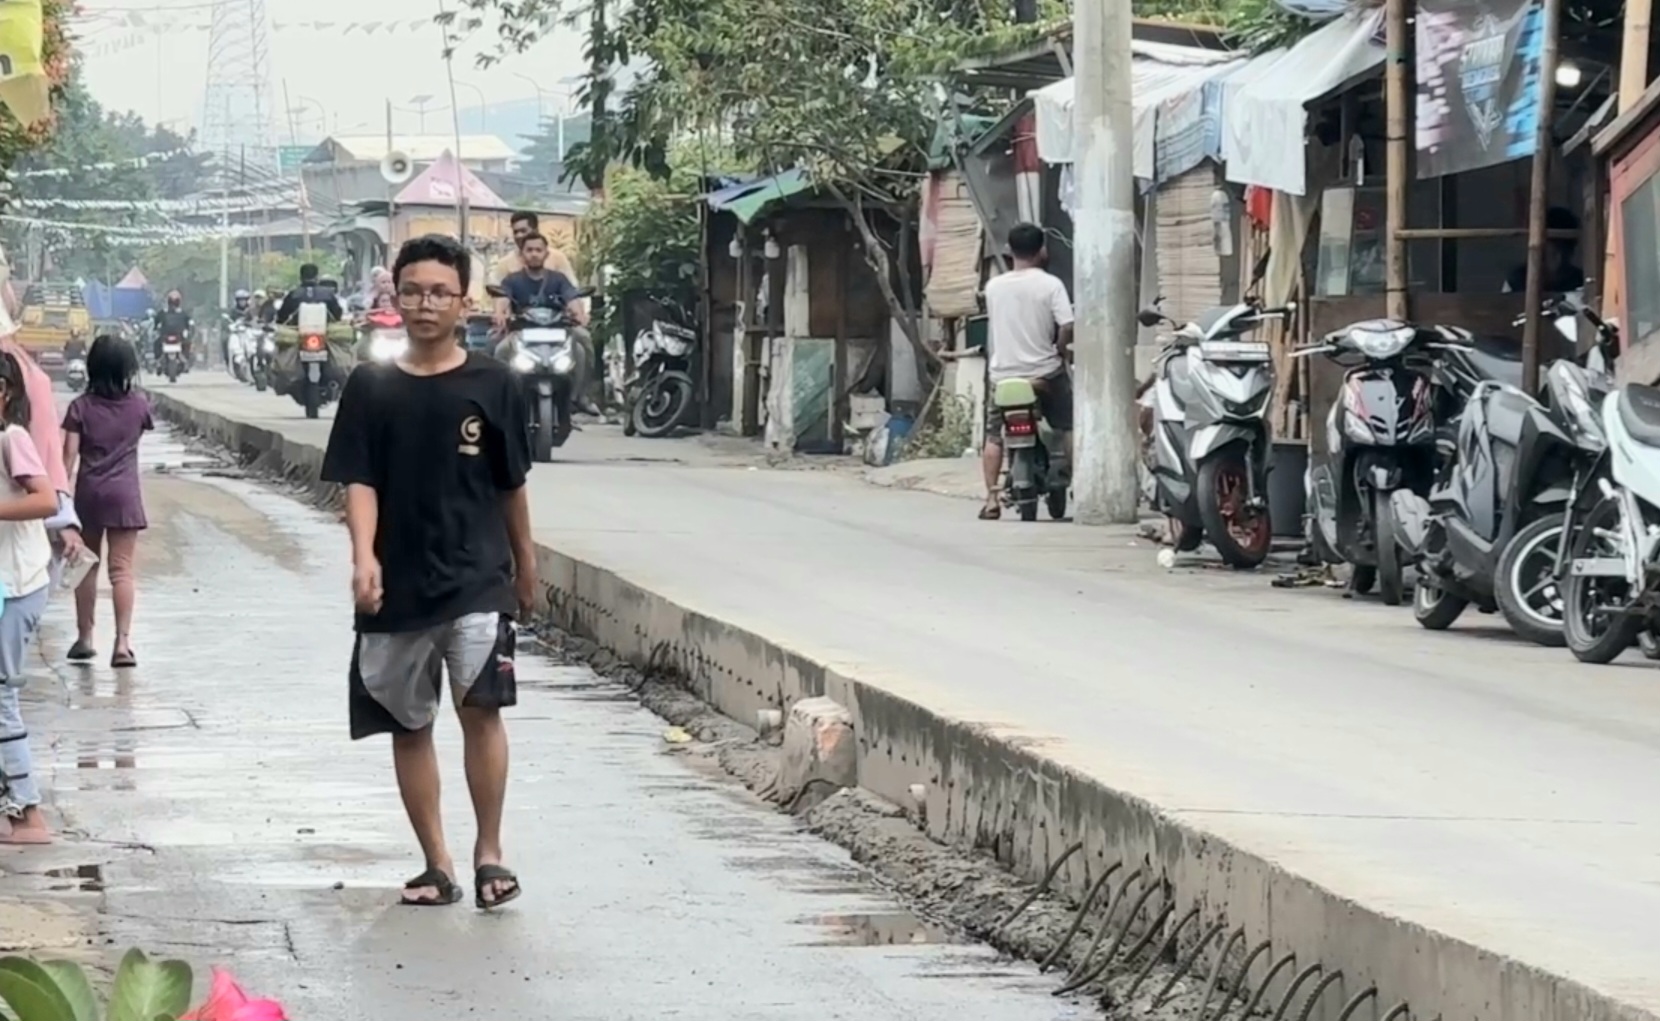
(479, 153)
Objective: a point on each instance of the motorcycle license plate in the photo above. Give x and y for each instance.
(172, 349)
(545, 335)
(314, 356)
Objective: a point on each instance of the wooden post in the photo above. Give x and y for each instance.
(1634, 51)
(1397, 99)
(1538, 196)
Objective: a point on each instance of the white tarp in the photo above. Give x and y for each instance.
(1158, 72)
(1265, 105)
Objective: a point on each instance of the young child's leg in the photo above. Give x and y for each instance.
(123, 544)
(20, 801)
(86, 601)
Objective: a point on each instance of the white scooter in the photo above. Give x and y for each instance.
(239, 348)
(1612, 590)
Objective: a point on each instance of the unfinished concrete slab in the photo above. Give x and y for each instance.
(1463, 820)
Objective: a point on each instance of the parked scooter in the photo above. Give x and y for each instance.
(1402, 382)
(75, 375)
(659, 397)
(1210, 447)
(1037, 468)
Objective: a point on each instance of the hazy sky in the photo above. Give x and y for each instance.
(163, 74)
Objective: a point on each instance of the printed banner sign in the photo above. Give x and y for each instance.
(1478, 83)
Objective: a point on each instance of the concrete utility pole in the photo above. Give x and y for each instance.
(1104, 283)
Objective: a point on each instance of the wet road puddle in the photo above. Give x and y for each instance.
(878, 929)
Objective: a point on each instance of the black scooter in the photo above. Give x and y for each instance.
(1383, 433)
(541, 351)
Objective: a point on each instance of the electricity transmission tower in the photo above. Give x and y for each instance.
(238, 118)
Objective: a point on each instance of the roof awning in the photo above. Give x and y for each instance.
(748, 199)
(1160, 74)
(1265, 104)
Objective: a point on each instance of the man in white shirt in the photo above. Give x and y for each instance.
(1029, 336)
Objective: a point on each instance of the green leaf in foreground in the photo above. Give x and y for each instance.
(32, 993)
(145, 989)
(72, 983)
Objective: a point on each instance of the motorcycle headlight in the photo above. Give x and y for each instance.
(563, 363)
(1374, 342)
(524, 361)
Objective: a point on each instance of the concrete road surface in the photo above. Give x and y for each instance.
(218, 812)
(1496, 792)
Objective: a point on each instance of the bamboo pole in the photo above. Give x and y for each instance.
(1538, 195)
(1397, 44)
(1634, 51)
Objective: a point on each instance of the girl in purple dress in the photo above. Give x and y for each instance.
(102, 431)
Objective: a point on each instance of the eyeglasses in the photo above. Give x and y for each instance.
(436, 300)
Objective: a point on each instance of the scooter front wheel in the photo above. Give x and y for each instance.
(1240, 532)
(1391, 581)
(1435, 608)
(1594, 620)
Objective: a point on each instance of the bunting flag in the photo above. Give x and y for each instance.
(24, 87)
(163, 233)
(252, 202)
(138, 162)
(131, 29)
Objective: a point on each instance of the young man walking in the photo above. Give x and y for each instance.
(433, 451)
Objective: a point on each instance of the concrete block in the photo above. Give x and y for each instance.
(818, 745)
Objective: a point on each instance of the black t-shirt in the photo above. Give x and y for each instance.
(554, 290)
(440, 452)
(174, 322)
(308, 294)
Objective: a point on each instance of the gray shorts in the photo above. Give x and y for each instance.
(396, 679)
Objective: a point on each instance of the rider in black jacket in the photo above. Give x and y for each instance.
(174, 321)
(309, 291)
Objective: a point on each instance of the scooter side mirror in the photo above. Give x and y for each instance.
(1150, 317)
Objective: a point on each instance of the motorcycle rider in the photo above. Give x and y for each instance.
(1029, 336)
(269, 304)
(242, 310)
(525, 224)
(310, 291)
(173, 321)
(537, 286)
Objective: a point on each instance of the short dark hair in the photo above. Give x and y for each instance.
(308, 272)
(525, 216)
(528, 238)
(17, 390)
(437, 248)
(1026, 240)
(111, 365)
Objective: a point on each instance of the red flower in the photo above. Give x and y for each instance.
(227, 1002)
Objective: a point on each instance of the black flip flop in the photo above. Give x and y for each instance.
(989, 512)
(124, 660)
(488, 874)
(437, 879)
(81, 652)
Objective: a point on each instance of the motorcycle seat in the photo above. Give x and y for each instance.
(1640, 413)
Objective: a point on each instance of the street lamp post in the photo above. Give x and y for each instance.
(483, 105)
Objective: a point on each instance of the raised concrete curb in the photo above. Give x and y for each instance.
(1003, 795)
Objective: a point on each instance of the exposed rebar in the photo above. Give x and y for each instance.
(1361, 997)
(1158, 955)
(1106, 925)
(1083, 977)
(1078, 921)
(1048, 877)
(1296, 984)
(1314, 997)
(1239, 980)
(1192, 959)
(1256, 997)
(1216, 970)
